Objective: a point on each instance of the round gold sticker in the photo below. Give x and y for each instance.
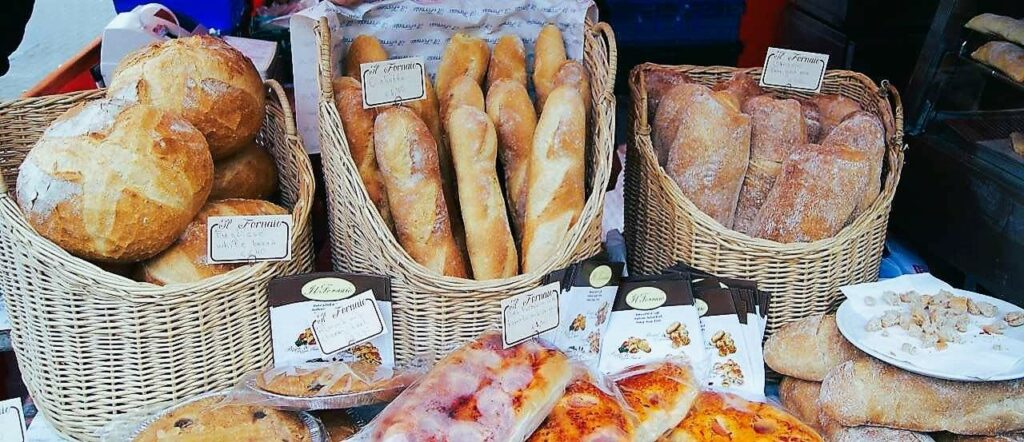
(646, 298)
(328, 289)
(600, 277)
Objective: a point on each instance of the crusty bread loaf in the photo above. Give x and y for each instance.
(877, 434)
(211, 84)
(463, 56)
(814, 196)
(115, 181)
(801, 399)
(364, 49)
(555, 182)
(548, 56)
(249, 174)
(358, 125)
(950, 437)
(572, 73)
(511, 110)
(1008, 58)
(709, 153)
(474, 143)
(863, 132)
(186, 260)
(1010, 29)
(870, 392)
(739, 88)
(808, 348)
(657, 82)
(463, 91)
(508, 61)
(829, 110)
(776, 125)
(407, 156)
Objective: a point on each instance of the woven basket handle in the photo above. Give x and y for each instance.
(889, 93)
(603, 30)
(282, 99)
(325, 68)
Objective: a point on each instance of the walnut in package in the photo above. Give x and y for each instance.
(595, 342)
(678, 334)
(579, 323)
(367, 352)
(724, 343)
(730, 372)
(635, 345)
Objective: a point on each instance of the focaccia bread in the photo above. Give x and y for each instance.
(725, 417)
(1009, 28)
(870, 392)
(809, 348)
(479, 392)
(1008, 58)
(659, 395)
(210, 420)
(586, 413)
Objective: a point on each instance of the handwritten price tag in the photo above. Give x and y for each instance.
(348, 322)
(797, 70)
(12, 421)
(529, 314)
(249, 238)
(393, 81)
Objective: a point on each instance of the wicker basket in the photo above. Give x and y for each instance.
(663, 226)
(92, 344)
(433, 313)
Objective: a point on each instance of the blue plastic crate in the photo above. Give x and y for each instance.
(674, 23)
(222, 15)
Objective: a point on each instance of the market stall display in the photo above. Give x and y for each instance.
(434, 311)
(800, 222)
(71, 316)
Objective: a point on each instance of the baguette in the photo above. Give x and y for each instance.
(407, 156)
(709, 154)
(869, 392)
(510, 108)
(463, 91)
(463, 56)
(863, 132)
(1008, 58)
(358, 125)
(571, 73)
(508, 61)
(814, 196)
(1010, 29)
(364, 49)
(474, 144)
(555, 183)
(809, 348)
(548, 56)
(429, 110)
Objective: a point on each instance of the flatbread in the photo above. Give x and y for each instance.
(725, 417)
(659, 394)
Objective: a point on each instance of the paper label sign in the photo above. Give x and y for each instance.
(529, 314)
(348, 322)
(12, 421)
(796, 70)
(393, 81)
(248, 238)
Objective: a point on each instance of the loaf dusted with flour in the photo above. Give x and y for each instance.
(809, 348)
(474, 144)
(358, 125)
(510, 108)
(364, 49)
(508, 61)
(548, 56)
(863, 132)
(572, 73)
(250, 173)
(555, 185)
(869, 392)
(463, 56)
(185, 261)
(202, 78)
(407, 156)
(115, 181)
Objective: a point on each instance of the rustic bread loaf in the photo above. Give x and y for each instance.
(863, 132)
(364, 49)
(250, 174)
(809, 348)
(358, 125)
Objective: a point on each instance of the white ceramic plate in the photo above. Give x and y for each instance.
(980, 358)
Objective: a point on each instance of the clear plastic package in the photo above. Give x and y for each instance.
(591, 409)
(659, 393)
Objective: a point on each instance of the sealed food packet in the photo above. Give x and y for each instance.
(591, 409)
(213, 416)
(328, 385)
(305, 308)
(584, 306)
(481, 391)
(718, 416)
(659, 393)
(651, 320)
(724, 341)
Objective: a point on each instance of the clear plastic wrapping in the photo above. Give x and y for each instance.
(659, 393)
(591, 409)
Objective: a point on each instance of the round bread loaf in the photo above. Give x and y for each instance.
(210, 83)
(115, 181)
(250, 174)
(185, 261)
